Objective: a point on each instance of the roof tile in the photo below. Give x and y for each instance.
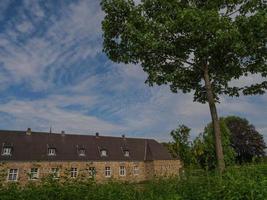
(34, 147)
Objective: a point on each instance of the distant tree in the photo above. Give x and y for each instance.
(245, 139)
(168, 146)
(181, 146)
(204, 148)
(191, 45)
(199, 151)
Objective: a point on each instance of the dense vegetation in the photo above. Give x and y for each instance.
(241, 143)
(247, 142)
(246, 182)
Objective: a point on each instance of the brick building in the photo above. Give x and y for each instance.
(28, 156)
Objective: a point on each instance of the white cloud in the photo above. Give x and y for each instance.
(41, 114)
(137, 2)
(247, 80)
(25, 27)
(34, 7)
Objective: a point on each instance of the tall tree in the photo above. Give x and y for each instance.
(258, 49)
(181, 146)
(191, 45)
(204, 148)
(245, 139)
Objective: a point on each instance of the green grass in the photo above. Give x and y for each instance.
(239, 182)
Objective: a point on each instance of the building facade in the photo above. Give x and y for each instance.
(30, 156)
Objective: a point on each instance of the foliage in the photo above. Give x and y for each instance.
(243, 182)
(174, 40)
(204, 149)
(241, 143)
(247, 142)
(190, 45)
(181, 146)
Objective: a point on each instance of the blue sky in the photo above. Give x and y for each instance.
(53, 73)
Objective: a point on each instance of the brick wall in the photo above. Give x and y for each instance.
(146, 170)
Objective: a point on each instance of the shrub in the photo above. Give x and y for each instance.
(238, 182)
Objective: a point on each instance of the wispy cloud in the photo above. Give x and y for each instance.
(70, 37)
(41, 114)
(3, 6)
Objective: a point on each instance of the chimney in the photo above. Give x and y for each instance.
(63, 133)
(97, 134)
(29, 131)
(123, 136)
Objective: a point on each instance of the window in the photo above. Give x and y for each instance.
(55, 172)
(122, 171)
(73, 172)
(126, 153)
(92, 172)
(81, 152)
(51, 151)
(12, 174)
(104, 153)
(107, 172)
(34, 173)
(135, 170)
(6, 151)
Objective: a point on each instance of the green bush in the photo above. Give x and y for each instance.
(239, 182)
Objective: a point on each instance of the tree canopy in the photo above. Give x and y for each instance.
(174, 40)
(245, 139)
(181, 146)
(191, 45)
(204, 148)
(240, 140)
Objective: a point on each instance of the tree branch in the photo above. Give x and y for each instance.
(184, 61)
(228, 15)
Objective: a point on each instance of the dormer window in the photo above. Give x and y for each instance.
(103, 153)
(81, 152)
(126, 153)
(6, 151)
(51, 151)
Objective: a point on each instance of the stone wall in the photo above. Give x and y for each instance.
(167, 167)
(146, 170)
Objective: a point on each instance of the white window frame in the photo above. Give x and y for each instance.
(108, 172)
(104, 153)
(7, 151)
(126, 153)
(81, 152)
(51, 151)
(55, 172)
(136, 170)
(122, 171)
(34, 175)
(14, 172)
(74, 172)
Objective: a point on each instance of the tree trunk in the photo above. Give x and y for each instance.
(215, 121)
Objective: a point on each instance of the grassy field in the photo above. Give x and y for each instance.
(239, 182)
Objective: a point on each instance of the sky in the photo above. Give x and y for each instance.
(53, 73)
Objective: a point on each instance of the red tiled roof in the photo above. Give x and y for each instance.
(34, 147)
